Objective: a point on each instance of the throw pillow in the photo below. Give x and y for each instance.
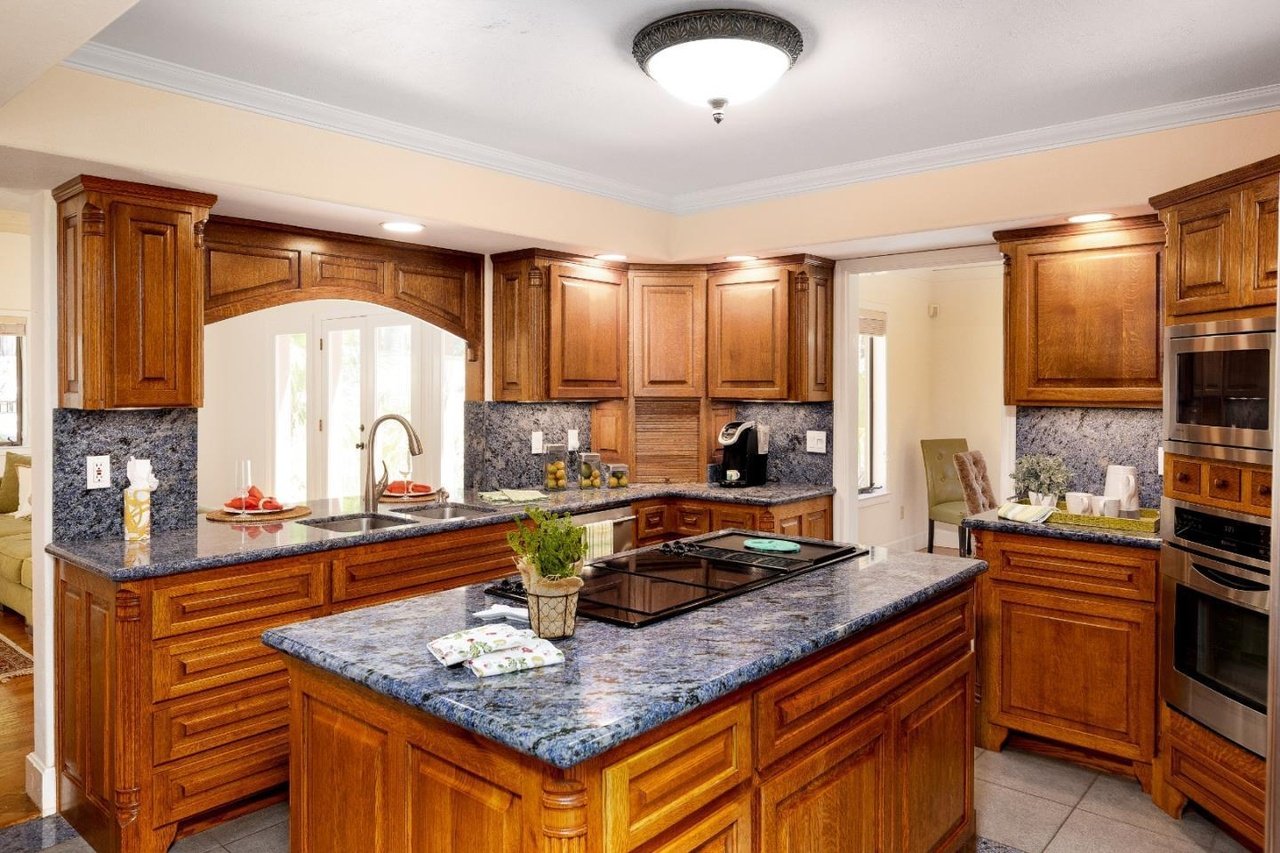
(24, 492)
(9, 485)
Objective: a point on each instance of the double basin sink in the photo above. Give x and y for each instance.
(366, 522)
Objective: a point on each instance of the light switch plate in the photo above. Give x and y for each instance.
(815, 441)
(97, 472)
(537, 441)
(1160, 460)
(572, 439)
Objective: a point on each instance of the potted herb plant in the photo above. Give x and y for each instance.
(549, 554)
(1041, 477)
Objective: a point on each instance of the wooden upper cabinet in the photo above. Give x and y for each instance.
(520, 317)
(1222, 243)
(669, 340)
(588, 332)
(1082, 314)
(129, 315)
(813, 328)
(748, 333)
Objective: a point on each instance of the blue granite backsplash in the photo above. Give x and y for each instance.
(165, 436)
(498, 435)
(1089, 440)
(789, 462)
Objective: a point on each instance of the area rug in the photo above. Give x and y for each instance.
(14, 662)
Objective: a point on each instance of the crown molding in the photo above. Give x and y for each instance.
(1166, 117)
(136, 68)
(158, 74)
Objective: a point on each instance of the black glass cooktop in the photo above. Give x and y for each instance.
(647, 586)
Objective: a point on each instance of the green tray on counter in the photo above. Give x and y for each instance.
(1148, 520)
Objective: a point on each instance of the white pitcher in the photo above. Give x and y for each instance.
(1122, 483)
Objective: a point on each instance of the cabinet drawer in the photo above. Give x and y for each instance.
(652, 790)
(1260, 489)
(815, 699)
(191, 786)
(1217, 774)
(392, 570)
(219, 717)
(1112, 571)
(189, 665)
(213, 602)
(1224, 483)
(691, 520)
(651, 521)
(734, 517)
(725, 829)
(1184, 477)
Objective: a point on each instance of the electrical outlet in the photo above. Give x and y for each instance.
(537, 441)
(572, 440)
(816, 441)
(97, 472)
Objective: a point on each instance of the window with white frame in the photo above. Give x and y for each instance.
(13, 342)
(872, 409)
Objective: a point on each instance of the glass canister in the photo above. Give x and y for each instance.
(555, 467)
(617, 476)
(590, 471)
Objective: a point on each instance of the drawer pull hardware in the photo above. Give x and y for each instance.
(1221, 483)
(1184, 477)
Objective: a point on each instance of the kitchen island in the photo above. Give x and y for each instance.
(832, 711)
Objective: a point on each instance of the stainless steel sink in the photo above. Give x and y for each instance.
(361, 523)
(443, 512)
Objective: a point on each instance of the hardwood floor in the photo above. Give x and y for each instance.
(16, 731)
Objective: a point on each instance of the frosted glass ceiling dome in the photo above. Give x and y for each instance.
(717, 57)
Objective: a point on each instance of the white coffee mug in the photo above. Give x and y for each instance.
(1097, 503)
(1078, 503)
(1111, 508)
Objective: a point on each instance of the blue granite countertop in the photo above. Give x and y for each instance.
(616, 682)
(208, 544)
(1074, 533)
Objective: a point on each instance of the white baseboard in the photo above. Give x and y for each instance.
(42, 784)
(948, 537)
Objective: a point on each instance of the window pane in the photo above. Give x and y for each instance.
(393, 394)
(10, 389)
(343, 421)
(453, 388)
(290, 481)
(865, 414)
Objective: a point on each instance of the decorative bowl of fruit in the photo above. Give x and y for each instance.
(590, 471)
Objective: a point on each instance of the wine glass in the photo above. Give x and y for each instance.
(406, 472)
(244, 482)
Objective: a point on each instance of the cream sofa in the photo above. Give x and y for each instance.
(15, 564)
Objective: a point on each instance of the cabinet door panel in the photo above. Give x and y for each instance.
(340, 743)
(154, 308)
(1260, 241)
(346, 271)
(835, 799)
(1075, 669)
(748, 342)
(813, 309)
(440, 291)
(588, 332)
(234, 272)
(1203, 255)
(670, 311)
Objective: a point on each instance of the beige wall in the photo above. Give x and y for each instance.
(79, 115)
(944, 381)
(15, 262)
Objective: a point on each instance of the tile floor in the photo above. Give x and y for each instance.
(1025, 804)
(1035, 804)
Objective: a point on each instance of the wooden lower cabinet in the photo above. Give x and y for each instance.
(664, 519)
(1067, 647)
(880, 762)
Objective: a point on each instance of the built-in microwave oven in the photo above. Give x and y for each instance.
(1217, 390)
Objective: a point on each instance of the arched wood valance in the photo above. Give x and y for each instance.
(252, 265)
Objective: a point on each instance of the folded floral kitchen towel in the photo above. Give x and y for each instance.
(481, 640)
(1025, 513)
(533, 654)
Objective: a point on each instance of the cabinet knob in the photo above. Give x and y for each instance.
(1265, 491)
(1221, 483)
(1183, 477)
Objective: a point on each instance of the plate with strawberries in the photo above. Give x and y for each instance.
(256, 503)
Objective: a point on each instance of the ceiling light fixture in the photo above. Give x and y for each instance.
(739, 258)
(1082, 218)
(400, 227)
(717, 57)
(611, 256)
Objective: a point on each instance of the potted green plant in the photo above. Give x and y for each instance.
(549, 554)
(1041, 477)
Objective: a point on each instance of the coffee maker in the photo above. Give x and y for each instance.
(746, 454)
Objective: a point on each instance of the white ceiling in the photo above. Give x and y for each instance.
(549, 88)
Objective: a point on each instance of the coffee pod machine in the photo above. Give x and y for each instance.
(746, 454)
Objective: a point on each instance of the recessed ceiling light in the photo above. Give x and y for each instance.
(1082, 218)
(717, 57)
(400, 227)
(740, 257)
(610, 256)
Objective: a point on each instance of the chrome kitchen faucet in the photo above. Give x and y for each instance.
(373, 488)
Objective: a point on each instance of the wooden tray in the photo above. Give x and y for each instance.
(1148, 520)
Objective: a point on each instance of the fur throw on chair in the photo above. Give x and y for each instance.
(972, 468)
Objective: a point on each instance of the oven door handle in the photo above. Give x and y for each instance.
(1229, 581)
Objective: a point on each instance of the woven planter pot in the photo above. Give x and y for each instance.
(553, 604)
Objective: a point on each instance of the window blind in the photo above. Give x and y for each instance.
(13, 326)
(872, 322)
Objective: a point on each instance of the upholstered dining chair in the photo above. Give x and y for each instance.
(942, 483)
(971, 468)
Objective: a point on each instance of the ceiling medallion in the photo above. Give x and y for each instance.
(717, 57)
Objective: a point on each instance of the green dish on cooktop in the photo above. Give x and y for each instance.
(776, 546)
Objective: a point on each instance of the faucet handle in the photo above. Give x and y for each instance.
(442, 496)
(380, 487)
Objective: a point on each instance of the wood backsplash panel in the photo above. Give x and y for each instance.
(667, 439)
